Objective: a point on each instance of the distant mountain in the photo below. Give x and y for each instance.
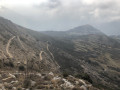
(115, 36)
(78, 31)
(84, 30)
(110, 28)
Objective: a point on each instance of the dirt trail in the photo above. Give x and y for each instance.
(3, 54)
(7, 47)
(50, 51)
(21, 43)
(18, 38)
(46, 53)
(52, 55)
(41, 55)
(52, 60)
(41, 58)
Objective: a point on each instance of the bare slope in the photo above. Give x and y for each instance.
(19, 46)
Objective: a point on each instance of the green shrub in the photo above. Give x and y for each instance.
(26, 83)
(65, 74)
(19, 89)
(84, 76)
(1, 63)
(9, 64)
(21, 68)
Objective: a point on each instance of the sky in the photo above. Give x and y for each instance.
(44, 15)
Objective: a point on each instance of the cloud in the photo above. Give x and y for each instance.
(61, 14)
(17, 3)
(50, 4)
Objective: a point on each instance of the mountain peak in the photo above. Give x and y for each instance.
(84, 30)
(87, 25)
(84, 27)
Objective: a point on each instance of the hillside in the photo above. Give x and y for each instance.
(27, 62)
(19, 46)
(78, 59)
(77, 31)
(93, 53)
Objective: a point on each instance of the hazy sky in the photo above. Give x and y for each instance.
(62, 14)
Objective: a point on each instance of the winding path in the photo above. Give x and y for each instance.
(41, 58)
(52, 55)
(3, 54)
(21, 43)
(7, 47)
(50, 51)
(41, 55)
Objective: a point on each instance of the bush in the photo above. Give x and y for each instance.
(65, 74)
(75, 88)
(84, 76)
(19, 89)
(21, 68)
(1, 63)
(9, 64)
(27, 83)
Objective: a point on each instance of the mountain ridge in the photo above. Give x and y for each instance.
(77, 31)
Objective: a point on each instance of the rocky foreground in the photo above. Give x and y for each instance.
(14, 80)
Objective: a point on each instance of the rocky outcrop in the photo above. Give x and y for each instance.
(44, 81)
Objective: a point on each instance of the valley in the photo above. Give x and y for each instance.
(82, 58)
